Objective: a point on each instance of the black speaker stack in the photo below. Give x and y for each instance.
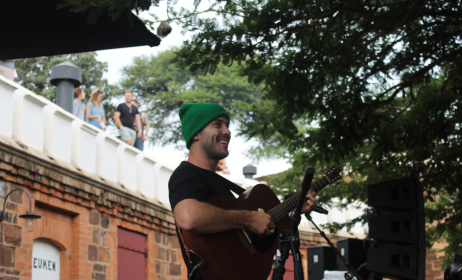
(354, 251)
(397, 229)
(321, 258)
(395, 247)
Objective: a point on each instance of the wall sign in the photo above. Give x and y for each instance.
(45, 261)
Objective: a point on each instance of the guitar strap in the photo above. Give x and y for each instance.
(236, 189)
(190, 253)
(187, 250)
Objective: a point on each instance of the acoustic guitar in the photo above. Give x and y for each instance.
(241, 254)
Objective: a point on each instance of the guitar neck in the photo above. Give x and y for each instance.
(282, 210)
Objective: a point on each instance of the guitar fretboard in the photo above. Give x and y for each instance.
(282, 210)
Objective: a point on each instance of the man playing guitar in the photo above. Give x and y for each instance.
(205, 128)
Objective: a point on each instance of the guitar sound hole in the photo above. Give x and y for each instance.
(262, 244)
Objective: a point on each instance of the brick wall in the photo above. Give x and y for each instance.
(80, 216)
(433, 269)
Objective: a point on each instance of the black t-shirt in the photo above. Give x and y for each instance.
(127, 115)
(190, 181)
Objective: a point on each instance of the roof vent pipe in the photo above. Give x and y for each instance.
(65, 76)
(249, 170)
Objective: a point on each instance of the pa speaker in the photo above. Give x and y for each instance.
(354, 251)
(397, 229)
(400, 261)
(320, 258)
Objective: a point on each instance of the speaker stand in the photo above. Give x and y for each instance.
(284, 247)
(351, 274)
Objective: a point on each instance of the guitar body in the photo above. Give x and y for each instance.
(229, 255)
(240, 254)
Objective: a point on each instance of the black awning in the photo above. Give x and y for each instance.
(32, 28)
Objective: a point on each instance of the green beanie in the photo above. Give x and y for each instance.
(195, 116)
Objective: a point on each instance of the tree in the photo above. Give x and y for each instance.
(34, 73)
(373, 87)
(161, 87)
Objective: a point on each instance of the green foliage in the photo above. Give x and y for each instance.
(373, 87)
(162, 87)
(34, 74)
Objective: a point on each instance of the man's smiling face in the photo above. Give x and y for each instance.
(214, 138)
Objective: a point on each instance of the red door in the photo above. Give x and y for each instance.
(131, 255)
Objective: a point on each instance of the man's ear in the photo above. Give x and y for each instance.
(196, 137)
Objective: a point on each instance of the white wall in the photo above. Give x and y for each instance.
(46, 128)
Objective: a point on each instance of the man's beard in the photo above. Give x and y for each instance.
(213, 152)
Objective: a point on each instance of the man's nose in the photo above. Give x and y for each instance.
(226, 131)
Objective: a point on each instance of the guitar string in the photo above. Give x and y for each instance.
(283, 209)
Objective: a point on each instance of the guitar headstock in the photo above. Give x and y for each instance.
(332, 175)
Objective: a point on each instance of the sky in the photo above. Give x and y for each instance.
(118, 58)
